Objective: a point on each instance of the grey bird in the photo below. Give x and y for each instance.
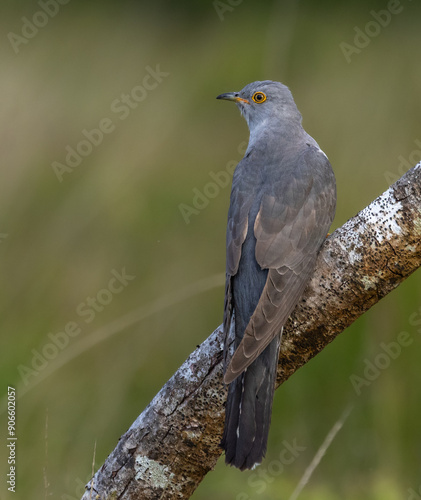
(282, 204)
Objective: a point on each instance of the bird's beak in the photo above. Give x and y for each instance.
(232, 96)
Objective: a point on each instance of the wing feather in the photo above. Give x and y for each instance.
(292, 222)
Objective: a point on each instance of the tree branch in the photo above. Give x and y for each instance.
(172, 445)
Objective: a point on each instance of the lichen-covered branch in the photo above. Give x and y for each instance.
(175, 441)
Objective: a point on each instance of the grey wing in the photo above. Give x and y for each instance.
(241, 200)
(291, 225)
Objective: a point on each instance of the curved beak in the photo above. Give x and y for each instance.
(232, 96)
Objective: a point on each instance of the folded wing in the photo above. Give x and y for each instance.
(294, 217)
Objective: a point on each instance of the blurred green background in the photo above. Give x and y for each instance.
(60, 241)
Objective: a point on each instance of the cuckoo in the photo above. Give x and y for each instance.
(282, 204)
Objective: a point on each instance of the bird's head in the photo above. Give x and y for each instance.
(265, 102)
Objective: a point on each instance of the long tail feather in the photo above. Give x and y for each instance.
(248, 410)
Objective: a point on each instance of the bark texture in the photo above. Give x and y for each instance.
(172, 445)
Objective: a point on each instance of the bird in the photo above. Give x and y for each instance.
(282, 204)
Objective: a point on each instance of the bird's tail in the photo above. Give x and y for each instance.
(248, 410)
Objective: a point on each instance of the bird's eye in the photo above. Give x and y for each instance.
(259, 97)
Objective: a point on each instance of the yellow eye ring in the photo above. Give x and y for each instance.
(259, 97)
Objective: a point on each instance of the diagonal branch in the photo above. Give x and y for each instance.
(172, 445)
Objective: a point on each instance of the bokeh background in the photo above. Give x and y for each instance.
(62, 236)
